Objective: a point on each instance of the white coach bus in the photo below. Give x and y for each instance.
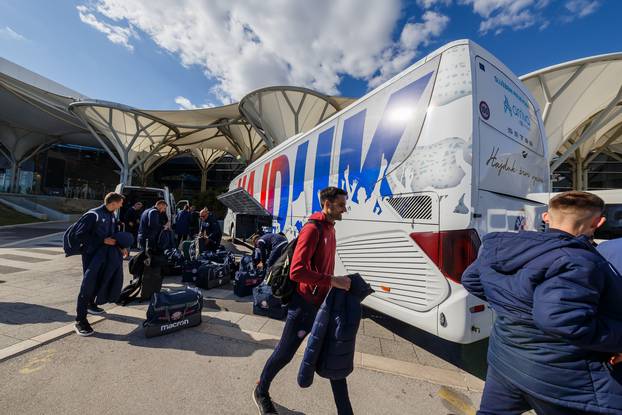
(432, 160)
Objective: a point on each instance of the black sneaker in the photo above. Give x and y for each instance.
(83, 328)
(93, 309)
(264, 403)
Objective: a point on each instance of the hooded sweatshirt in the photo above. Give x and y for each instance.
(558, 307)
(313, 262)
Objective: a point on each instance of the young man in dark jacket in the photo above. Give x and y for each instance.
(311, 270)
(558, 315)
(268, 249)
(94, 229)
(182, 224)
(152, 221)
(132, 219)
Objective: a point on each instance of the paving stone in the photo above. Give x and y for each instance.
(398, 350)
(428, 359)
(6, 341)
(274, 327)
(375, 330)
(368, 344)
(252, 323)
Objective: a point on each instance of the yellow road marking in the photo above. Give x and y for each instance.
(456, 401)
(38, 362)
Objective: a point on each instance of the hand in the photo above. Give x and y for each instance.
(260, 265)
(125, 253)
(110, 241)
(615, 359)
(342, 282)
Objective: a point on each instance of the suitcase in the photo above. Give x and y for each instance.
(265, 304)
(245, 281)
(211, 275)
(173, 310)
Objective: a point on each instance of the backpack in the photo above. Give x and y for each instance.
(71, 243)
(278, 275)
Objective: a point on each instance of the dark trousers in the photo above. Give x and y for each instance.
(88, 289)
(502, 398)
(300, 317)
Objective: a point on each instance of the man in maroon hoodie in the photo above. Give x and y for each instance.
(311, 270)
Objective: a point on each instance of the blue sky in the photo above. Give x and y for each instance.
(162, 54)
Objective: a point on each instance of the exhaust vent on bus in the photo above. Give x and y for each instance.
(396, 268)
(412, 207)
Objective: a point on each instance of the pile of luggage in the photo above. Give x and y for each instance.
(209, 269)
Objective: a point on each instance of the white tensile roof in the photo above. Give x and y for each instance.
(137, 139)
(581, 104)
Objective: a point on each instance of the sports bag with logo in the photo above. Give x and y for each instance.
(172, 310)
(245, 281)
(266, 304)
(211, 275)
(278, 274)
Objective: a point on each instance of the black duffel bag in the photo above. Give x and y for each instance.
(172, 310)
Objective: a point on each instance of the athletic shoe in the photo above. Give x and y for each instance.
(93, 309)
(264, 403)
(83, 328)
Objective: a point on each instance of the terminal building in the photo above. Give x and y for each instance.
(57, 142)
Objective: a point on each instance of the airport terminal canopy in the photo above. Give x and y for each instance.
(280, 112)
(38, 112)
(581, 104)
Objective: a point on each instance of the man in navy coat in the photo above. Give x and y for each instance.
(558, 306)
(94, 229)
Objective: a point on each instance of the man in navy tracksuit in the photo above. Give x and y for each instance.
(182, 224)
(151, 225)
(311, 270)
(558, 307)
(210, 229)
(268, 249)
(94, 229)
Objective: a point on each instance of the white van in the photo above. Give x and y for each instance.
(443, 153)
(148, 196)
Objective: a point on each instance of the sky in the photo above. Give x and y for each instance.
(176, 54)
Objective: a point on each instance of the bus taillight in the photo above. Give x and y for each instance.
(451, 251)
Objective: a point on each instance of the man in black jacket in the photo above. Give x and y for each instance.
(132, 219)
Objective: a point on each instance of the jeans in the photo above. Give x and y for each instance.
(300, 318)
(503, 398)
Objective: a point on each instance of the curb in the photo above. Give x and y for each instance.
(430, 374)
(23, 241)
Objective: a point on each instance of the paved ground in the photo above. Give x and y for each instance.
(10, 235)
(38, 286)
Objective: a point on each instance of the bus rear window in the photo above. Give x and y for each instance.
(612, 228)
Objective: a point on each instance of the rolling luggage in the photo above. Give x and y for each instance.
(245, 281)
(211, 275)
(265, 304)
(173, 310)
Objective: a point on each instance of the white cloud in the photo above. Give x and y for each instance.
(581, 8)
(513, 14)
(246, 45)
(116, 34)
(185, 104)
(413, 36)
(428, 4)
(8, 33)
